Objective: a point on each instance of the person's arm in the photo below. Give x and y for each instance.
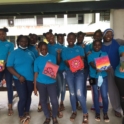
(58, 56)
(67, 64)
(13, 72)
(35, 82)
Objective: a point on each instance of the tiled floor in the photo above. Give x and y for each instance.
(38, 118)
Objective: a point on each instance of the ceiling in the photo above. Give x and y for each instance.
(7, 2)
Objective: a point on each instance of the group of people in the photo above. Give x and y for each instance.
(25, 66)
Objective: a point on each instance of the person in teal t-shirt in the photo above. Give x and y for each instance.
(46, 85)
(20, 63)
(5, 49)
(119, 78)
(75, 80)
(61, 89)
(94, 74)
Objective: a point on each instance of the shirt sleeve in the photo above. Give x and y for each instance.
(10, 60)
(11, 47)
(35, 66)
(90, 58)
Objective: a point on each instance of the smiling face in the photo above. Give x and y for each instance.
(97, 45)
(97, 36)
(52, 39)
(108, 36)
(43, 49)
(2, 35)
(71, 40)
(23, 42)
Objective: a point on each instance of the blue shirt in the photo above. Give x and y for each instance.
(5, 48)
(71, 52)
(39, 65)
(62, 63)
(117, 70)
(113, 53)
(34, 50)
(91, 58)
(23, 63)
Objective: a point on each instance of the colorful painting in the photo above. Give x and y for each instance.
(51, 70)
(102, 63)
(76, 64)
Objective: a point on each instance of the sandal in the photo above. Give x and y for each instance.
(10, 112)
(60, 114)
(24, 120)
(39, 109)
(62, 107)
(85, 119)
(27, 115)
(97, 117)
(117, 114)
(55, 121)
(106, 118)
(47, 121)
(73, 116)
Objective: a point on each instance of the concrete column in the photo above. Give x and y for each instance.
(117, 23)
(97, 17)
(65, 19)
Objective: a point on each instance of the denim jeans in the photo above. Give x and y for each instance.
(61, 85)
(24, 91)
(104, 94)
(50, 90)
(9, 79)
(75, 83)
(86, 73)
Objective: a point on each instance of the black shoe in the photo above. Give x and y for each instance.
(55, 121)
(97, 117)
(106, 118)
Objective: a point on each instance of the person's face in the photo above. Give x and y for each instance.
(34, 39)
(97, 46)
(97, 36)
(71, 40)
(43, 50)
(80, 38)
(23, 42)
(48, 37)
(60, 39)
(52, 39)
(2, 35)
(108, 36)
(31, 39)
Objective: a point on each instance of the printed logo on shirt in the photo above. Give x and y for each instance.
(77, 50)
(49, 60)
(29, 53)
(7, 45)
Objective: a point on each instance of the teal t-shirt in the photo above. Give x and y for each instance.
(72, 52)
(117, 71)
(91, 58)
(34, 50)
(5, 48)
(23, 63)
(39, 65)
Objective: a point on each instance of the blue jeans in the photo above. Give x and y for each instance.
(50, 90)
(86, 73)
(24, 91)
(9, 79)
(104, 94)
(75, 83)
(61, 85)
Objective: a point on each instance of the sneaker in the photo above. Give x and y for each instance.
(106, 118)
(4, 83)
(97, 117)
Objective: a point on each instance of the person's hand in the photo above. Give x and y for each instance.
(35, 91)
(98, 70)
(59, 51)
(109, 69)
(121, 69)
(21, 79)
